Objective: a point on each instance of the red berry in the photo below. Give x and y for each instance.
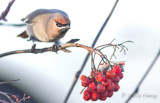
(110, 74)
(82, 77)
(98, 73)
(116, 79)
(101, 77)
(87, 90)
(102, 98)
(104, 94)
(111, 87)
(92, 73)
(104, 83)
(122, 63)
(120, 75)
(96, 78)
(87, 95)
(95, 96)
(116, 87)
(110, 93)
(101, 88)
(91, 80)
(92, 86)
(85, 82)
(116, 69)
(107, 82)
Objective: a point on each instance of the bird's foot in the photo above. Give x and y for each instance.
(31, 38)
(55, 47)
(33, 48)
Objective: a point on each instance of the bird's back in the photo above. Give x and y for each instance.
(29, 18)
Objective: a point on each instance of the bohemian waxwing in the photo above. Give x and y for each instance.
(46, 25)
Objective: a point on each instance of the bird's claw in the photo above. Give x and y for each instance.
(55, 48)
(33, 48)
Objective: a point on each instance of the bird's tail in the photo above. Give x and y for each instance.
(23, 35)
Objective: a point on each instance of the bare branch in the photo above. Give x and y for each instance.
(6, 95)
(4, 13)
(62, 48)
(8, 81)
(15, 25)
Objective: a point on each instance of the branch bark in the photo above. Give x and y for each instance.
(9, 81)
(47, 49)
(4, 13)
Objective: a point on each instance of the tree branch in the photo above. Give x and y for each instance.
(144, 76)
(9, 81)
(35, 51)
(4, 13)
(6, 95)
(63, 48)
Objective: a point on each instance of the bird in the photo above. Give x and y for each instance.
(46, 25)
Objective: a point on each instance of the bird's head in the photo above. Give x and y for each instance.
(62, 23)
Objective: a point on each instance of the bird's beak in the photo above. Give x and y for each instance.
(64, 29)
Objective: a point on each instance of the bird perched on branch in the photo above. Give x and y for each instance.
(46, 25)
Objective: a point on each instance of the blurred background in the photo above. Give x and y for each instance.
(47, 77)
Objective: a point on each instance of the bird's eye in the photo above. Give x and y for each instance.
(69, 24)
(59, 24)
(66, 24)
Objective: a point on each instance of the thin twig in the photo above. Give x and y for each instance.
(99, 63)
(24, 98)
(3, 101)
(9, 81)
(144, 76)
(92, 61)
(6, 95)
(15, 25)
(113, 54)
(4, 13)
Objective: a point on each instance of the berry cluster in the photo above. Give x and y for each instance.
(103, 82)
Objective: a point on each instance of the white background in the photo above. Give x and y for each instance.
(47, 77)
